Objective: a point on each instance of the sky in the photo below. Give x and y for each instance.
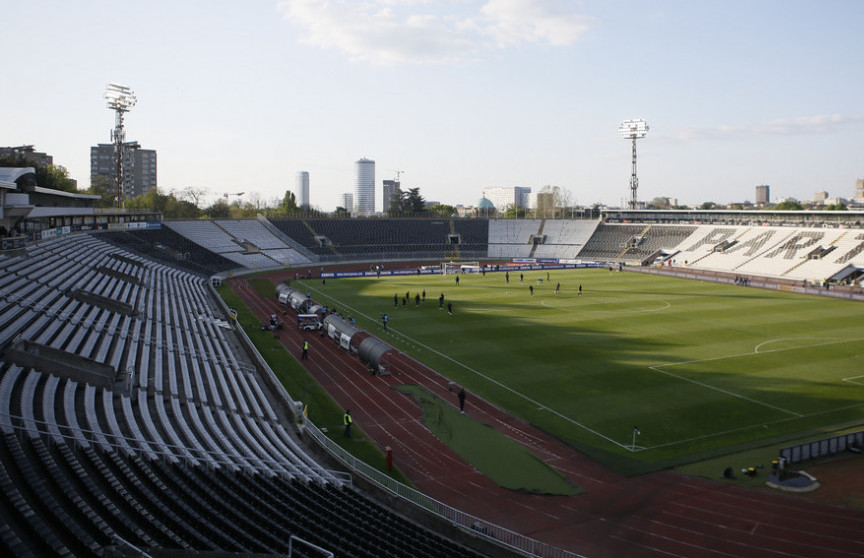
(458, 95)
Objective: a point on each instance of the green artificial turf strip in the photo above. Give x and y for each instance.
(301, 386)
(503, 460)
(699, 367)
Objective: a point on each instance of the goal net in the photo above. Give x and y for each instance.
(450, 268)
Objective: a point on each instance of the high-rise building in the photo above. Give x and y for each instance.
(503, 198)
(346, 201)
(763, 194)
(139, 167)
(391, 191)
(364, 187)
(29, 154)
(859, 191)
(301, 189)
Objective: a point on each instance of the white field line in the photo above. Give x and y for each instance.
(715, 388)
(491, 380)
(656, 368)
(751, 427)
(763, 424)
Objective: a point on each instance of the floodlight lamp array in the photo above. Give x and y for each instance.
(633, 129)
(120, 97)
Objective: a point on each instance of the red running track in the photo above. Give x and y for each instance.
(660, 514)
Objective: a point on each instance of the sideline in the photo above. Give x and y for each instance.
(560, 415)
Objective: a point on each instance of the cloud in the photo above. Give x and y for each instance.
(514, 22)
(803, 125)
(391, 32)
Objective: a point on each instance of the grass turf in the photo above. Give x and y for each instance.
(504, 461)
(323, 411)
(698, 367)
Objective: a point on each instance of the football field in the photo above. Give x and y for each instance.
(639, 370)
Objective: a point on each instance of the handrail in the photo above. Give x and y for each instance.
(494, 533)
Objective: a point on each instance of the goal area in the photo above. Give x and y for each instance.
(450, 268)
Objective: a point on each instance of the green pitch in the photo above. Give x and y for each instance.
(700, 368)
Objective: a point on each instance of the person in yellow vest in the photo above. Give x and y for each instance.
(305, 354)
(348, 421)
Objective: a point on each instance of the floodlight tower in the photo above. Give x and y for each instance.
(633, 129)
(120, 99)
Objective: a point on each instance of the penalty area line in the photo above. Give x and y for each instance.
(721, 390)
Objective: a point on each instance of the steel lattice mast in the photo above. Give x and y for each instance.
(120, 99)
(633, 129)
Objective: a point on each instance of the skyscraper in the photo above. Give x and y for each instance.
(364, 187)
(763, 194)
(301, 189)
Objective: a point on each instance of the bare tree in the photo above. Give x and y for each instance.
(255, 199)
(560, 201)
(192, 194)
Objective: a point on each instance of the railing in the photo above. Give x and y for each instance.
(824, 447)
(496, 533)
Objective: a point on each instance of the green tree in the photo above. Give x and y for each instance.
(708, 205)
(513, 211)
(15, 161)
(219, 210)
(341, 212)
(416, 203)
(169, 205)
(55, 177)
(441, 210)
(407, 203)
(659, 202)
(289, 204)
(102, 186)
(788, 205)
(836, 207)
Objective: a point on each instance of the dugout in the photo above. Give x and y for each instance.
(371, 350)
(294, 299)
(340, 330)
(282, 288)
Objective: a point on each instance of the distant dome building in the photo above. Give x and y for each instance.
(484, 208)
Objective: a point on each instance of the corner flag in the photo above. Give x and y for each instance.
(636, 430)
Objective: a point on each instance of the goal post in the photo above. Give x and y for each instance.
(450, 268)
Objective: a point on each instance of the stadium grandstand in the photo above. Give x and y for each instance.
(137, 420)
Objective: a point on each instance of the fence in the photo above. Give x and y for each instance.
(496, 533)
(826, 446)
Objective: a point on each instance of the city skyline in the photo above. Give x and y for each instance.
(460, 95)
